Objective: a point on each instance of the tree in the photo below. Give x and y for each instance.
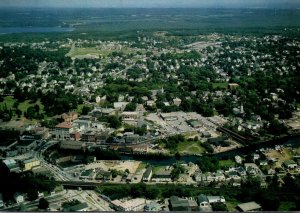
(219, 207)
(114, 121)
(85, 110)
(43, 203)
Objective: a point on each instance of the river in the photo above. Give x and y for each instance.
(292, 140)
(9, 30)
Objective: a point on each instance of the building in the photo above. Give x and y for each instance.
(147, 174)
(130, 116)
(120, 105)
(30, 163)
(69, 117)
(26, 146)
(163, 175)
(177, 101)
(290, 164)
(249, 207)
(19, 198)
(129, 205)
(205, 201)
(81, 207)
(179, 204)
(168, 117)
(152, 207)
(12, 165)
(62, 131)
(75, 145)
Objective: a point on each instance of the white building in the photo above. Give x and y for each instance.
(19, 198)
(130, 205)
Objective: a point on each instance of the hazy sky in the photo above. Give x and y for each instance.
(152, 3)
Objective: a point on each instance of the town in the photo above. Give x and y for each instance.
(155, 123)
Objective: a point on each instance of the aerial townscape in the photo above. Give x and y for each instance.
(149, 110)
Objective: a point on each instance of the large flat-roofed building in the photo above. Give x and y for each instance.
(130, 205)
(12, 165)
(30, 163)
(62, 131)
(249, 207)
(74, 145)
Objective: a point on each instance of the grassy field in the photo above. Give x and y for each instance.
(286, 206)
(9, 102)
(226, 163)
(141, 167)
(74, 52)
(220, 85)
(190, 147)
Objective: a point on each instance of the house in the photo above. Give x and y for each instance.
(179, 204)
(206, 201)
(202, 201)
(30, 163)
(129, 205)
(81, 207)
(152, 207)
(177, 101)
(238, 159)
(147, 174)
(1, 201)
(19, 198)
(120, 105)
(130, 116)
(249, 207)
(70, 116)
(163, 175)
(216, 199)
(62, 131)
(290, 164)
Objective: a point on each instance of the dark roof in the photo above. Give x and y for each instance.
(147, 172)
(77, 207)
(202, 198)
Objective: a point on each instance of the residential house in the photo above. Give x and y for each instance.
(70, 116)
(19, 198)
(163, 175)
(249, 207)
(177, 101)
(290, 164)
(147, 174)
(179, 204)
(130, 116)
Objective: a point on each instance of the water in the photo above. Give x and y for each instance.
(293, 141)
(9, 30)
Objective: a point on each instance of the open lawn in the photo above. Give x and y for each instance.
(226, 163)
(77, 52)
(9, 102)
(141, 167)
(220, 85)
(286, 206)
(190, 147)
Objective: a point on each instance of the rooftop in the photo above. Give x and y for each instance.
(250, 206)
(64, 125)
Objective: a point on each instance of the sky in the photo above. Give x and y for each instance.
(153, 3)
